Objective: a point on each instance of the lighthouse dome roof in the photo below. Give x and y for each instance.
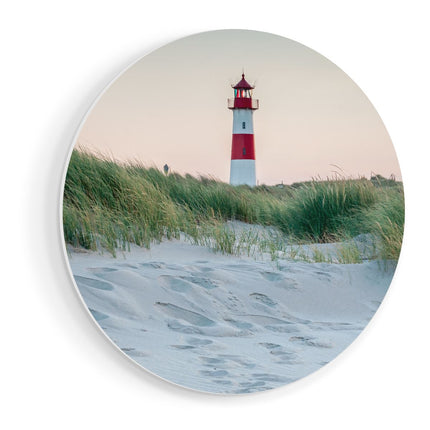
(243, 84)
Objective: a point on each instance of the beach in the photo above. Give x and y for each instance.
(227, 324)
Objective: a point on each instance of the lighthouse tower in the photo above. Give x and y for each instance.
(242, 167)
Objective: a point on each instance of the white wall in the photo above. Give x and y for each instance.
(58, 370)
(242, 172)
(240, 116)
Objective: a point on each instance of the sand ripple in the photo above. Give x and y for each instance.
(227, 324)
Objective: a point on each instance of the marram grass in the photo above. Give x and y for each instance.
(111, 205)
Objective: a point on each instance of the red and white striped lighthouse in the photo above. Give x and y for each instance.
(242, 167)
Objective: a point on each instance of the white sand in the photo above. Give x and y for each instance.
(226, 324)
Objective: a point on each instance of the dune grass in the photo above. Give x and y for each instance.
(385, 219)
(112, 205)
(324, 210)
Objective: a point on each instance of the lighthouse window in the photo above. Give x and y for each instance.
(243, 125)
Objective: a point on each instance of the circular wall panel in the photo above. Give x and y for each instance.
(232, 211)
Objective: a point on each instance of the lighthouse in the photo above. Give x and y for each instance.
(242, 167)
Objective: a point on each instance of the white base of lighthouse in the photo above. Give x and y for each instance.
(242, 172)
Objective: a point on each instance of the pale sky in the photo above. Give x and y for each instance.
(171, 107)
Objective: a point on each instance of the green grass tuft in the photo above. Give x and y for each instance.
(112, 205)
(321, 211)
(386, 221)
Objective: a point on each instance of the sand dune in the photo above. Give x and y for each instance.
(226, 324)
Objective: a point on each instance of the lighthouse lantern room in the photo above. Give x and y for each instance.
(242, 167)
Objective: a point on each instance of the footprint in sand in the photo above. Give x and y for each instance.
(93, 283)
(185, 347)
(98, 316)
(175, 325)
(287, 283)
(232, 303)
(264, 319)
(132, 352)
(285, 357)
(262, 298)
(269, 345)
(211, 360)
(186, 315)
(198, 341)
(175, 283)
(271, 276)
(240, 324)
(206, 283)
(310, 341)
(280, 355)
